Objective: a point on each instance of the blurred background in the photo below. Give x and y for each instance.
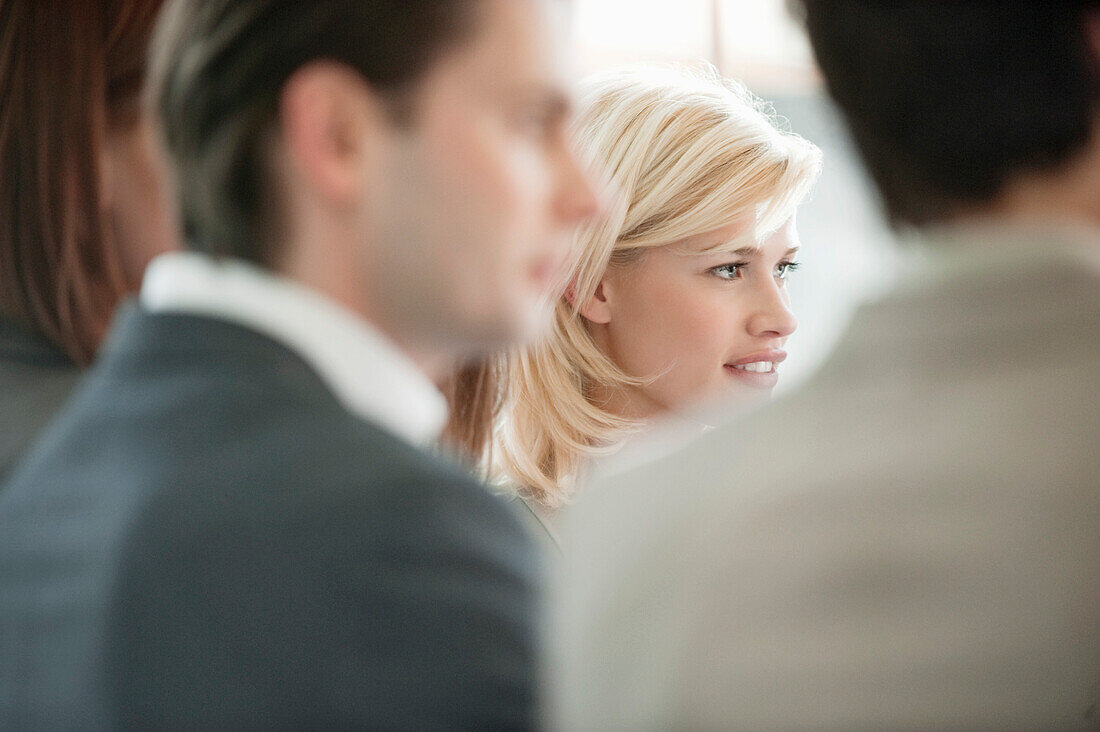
(848, 253)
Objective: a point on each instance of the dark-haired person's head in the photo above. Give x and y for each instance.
(81, 204)
(970, 107)
(407, 157)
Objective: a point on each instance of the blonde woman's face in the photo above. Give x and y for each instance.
(702, 324)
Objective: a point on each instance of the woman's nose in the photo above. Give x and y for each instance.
(772, 316)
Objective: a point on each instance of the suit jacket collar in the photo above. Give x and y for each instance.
(996, 248)
(975, 300)
(369, 375)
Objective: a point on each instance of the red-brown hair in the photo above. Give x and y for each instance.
(69, 72)
(475, 396)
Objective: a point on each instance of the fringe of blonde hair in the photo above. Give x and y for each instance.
(684, 152)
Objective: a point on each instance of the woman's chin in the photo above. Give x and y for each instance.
(724, 400)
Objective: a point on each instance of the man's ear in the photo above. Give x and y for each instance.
(596, 309)
(326, 115)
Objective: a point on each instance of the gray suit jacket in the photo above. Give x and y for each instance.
(911, 541)
(206, 538)
(35, 379)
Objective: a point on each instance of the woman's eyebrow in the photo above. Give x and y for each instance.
(748, 251)
(745, 251)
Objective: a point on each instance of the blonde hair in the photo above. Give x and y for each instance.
(684, 153)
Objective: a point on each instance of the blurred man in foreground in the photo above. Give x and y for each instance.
(913, 540)
(232, 524)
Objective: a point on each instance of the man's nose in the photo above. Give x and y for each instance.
(578, 197)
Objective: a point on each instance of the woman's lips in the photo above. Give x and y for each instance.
(757, 369)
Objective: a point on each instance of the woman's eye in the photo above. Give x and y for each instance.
(785, 268)
(729, 271)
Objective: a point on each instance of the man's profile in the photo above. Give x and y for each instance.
(234, 523)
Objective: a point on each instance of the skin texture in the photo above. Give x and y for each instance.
(683, 316)
(444, 231)
(135, 197)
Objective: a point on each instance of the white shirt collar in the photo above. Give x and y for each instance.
(366, 371)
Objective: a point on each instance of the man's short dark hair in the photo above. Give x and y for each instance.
(217, 69)
(949, 100)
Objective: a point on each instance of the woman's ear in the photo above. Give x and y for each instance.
(596, 309)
